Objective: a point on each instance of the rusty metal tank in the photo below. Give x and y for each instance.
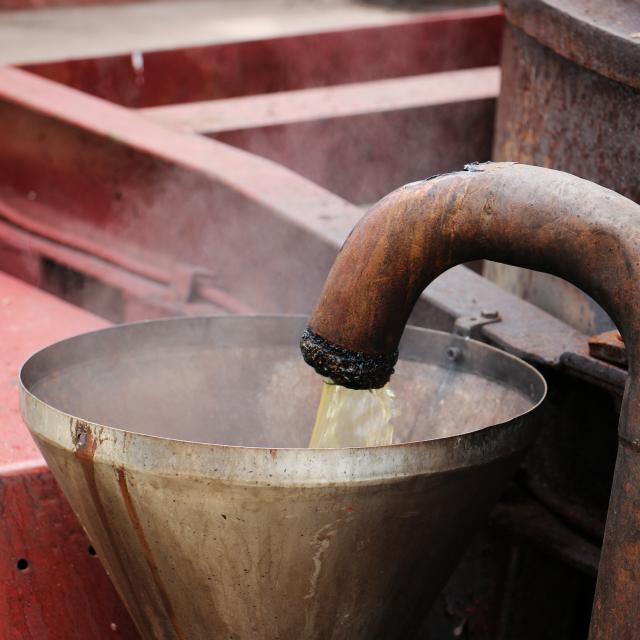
(570, 100)
(180, 445)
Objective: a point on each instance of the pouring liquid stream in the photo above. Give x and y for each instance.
(349, 418)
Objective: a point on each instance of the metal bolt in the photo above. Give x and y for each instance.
(489, 315)
(453, 353)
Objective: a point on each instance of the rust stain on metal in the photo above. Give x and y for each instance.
(600, 36)
(608, 346)
(146, 549)
(570, 90)
(615, 612)
(83, 441)
(85, 444)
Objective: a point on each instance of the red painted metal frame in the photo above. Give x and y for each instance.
(101, 196)
(359, 140)
(51, 584)
(428, 43)
(115, 197)
(338, 101)
(175, 201)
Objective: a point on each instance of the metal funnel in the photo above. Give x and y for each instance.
(181, 443)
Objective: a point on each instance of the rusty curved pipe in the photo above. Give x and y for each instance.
(521, 215)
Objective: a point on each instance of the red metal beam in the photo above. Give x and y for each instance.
(428, 43)
(172, 291)
(306, 105)
(361, 140)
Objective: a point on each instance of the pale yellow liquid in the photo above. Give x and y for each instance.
(348, 418)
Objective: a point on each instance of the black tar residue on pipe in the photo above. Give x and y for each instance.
(351, 369)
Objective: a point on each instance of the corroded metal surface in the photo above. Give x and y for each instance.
(527, 216)
(608, 346)
(601, 36)
(615, 610)
(570, 100)
(262, 540)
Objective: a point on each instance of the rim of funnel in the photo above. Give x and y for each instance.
(292, 466)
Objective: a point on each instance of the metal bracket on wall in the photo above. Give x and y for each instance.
(471, 326)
